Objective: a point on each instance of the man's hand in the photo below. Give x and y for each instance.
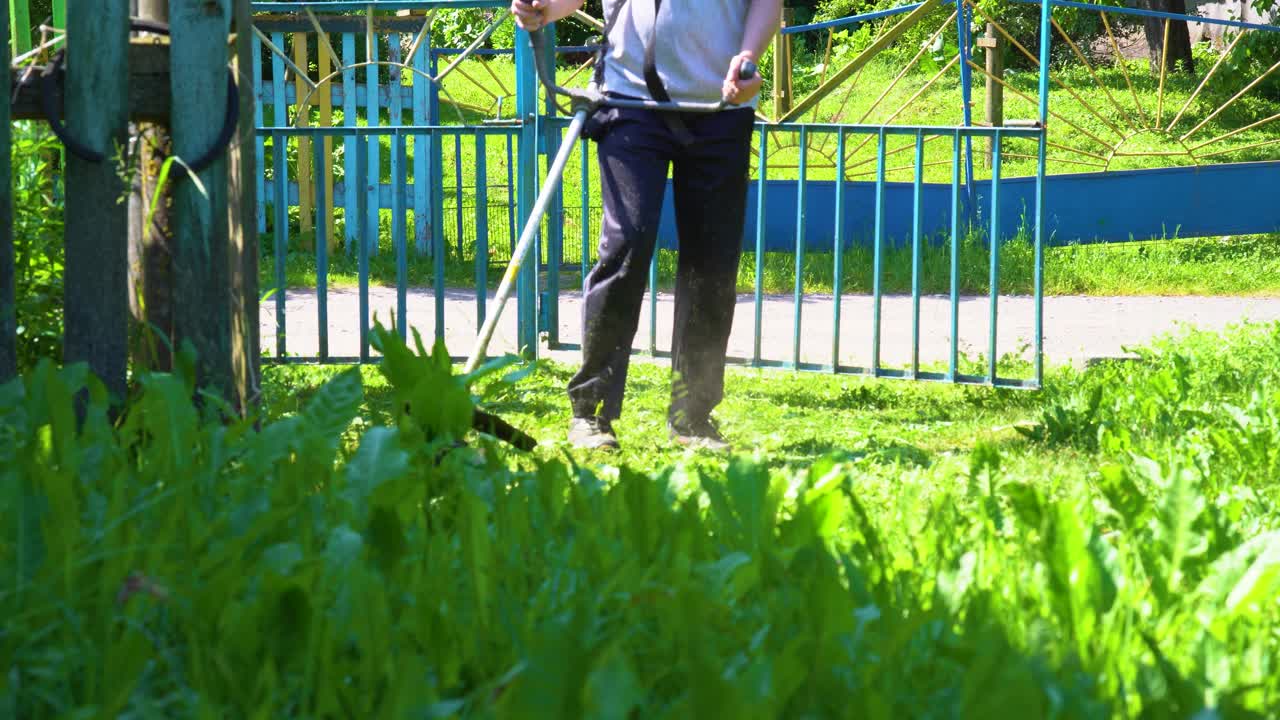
(533, 15)
(736, 90)
(529, 15)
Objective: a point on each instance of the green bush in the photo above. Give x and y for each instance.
(38, 245)
(1185, 396)
(458, 28)
(1249, 60)
(1022, 21)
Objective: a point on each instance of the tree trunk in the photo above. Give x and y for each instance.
(246, 352)
(151, 289)
(1178, 55)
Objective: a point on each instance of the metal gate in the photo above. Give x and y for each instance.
(802, 164)
(388, 180)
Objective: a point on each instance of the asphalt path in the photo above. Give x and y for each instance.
(1076, 328)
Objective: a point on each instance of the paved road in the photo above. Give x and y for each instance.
(1076, 328)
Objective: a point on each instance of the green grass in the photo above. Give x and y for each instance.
(1241, 265)
(1104, 548)
(788, 419)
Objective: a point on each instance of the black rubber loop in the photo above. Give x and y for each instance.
(230, 122)
(48, 81)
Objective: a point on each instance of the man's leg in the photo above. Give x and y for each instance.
(634, 155)
(710, 183)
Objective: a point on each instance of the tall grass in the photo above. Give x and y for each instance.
(171, 565)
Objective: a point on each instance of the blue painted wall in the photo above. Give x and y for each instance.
(1116, 206)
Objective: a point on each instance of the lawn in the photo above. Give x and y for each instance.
(785, 418)
(1105, 548)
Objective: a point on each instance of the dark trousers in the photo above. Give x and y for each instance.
(709, 178)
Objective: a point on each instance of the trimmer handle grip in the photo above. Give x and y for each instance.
(747, 70)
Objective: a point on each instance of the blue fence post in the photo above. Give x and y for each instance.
(399, 239)
(800, 222)
(1046, 38)
(585, 201)
(422, 151)
(511, 194)
(350, 181)
(526, 188)
(917, 211)
(762, 176)
(373, 118)
(397, 159)
(963, 21)
(279, 111)
(459, 194)
(280, 228)
(322, 250)
(436, 191)
(436, 171)
(878, 251)
(953, 358)
(993, 244)
(837, 252)
(259, 143)
(482, 229)
(362, 248)
(555, 217)
(398, 181)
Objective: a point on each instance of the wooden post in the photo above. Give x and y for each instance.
(97, 112)
(242, 222)
(8, 321)
(201, 235)
(151, 291)
(325, 94)
(305, 178)
(995, 90)
(782, 67)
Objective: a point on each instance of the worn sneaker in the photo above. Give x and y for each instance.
(700, 435)
(592, 433)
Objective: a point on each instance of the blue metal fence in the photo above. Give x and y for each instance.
(432, 190)
(376, 178)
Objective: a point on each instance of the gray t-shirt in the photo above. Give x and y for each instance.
(694, 42)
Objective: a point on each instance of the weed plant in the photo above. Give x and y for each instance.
(1123, 560)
